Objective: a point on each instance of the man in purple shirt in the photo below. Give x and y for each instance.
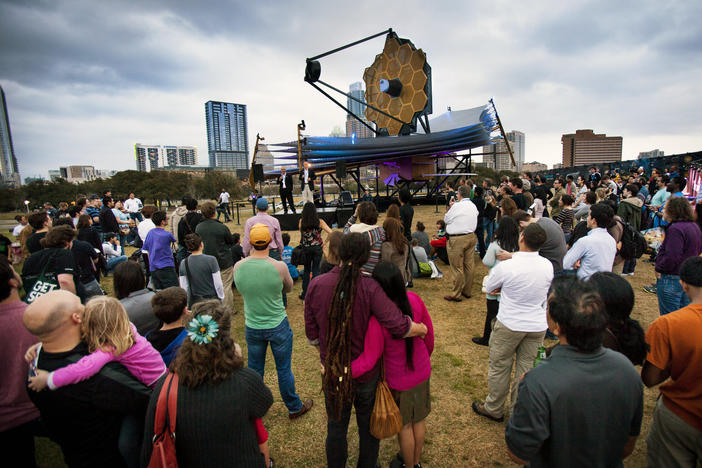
(158, 245)
(276, 245)
(18, 415)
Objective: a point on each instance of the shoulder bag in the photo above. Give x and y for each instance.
(43, 283)
(163, 453)
(385, 420)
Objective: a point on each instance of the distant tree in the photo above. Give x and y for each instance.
(337, 131)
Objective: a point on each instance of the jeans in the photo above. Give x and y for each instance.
(313, 256)
(488, 229)
(671, 296)
(136, 216)
(223, 210)
(281, 341)
(114, 261)
(337, 445)
(481, 238)
(629, 266)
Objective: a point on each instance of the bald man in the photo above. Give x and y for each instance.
(85, 418)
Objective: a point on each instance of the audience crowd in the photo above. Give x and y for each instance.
(96, 373)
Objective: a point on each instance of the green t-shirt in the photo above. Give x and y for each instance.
(261, 283)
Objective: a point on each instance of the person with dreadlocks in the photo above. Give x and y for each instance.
(337, 312)
(407, 364)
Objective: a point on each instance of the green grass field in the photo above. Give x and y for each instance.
(456, 436)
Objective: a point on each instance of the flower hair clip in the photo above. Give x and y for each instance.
(202, 329)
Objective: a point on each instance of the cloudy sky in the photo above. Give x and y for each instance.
(85, 80)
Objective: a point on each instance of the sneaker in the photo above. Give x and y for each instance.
(651, 289)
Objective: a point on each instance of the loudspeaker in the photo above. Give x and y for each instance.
(340, 169)
(258, 172)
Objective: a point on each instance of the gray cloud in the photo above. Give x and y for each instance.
(104, 75)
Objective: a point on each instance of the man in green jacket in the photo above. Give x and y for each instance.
(630, 212)
(217, 241)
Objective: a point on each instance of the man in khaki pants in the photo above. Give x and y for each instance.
(461, 220)
(523, 283)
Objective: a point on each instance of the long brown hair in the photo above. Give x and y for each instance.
(394, 235)
(393, 211)
(337, 382)
(198, 364)
(509, 207)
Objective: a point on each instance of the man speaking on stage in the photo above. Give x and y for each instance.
(307, 177)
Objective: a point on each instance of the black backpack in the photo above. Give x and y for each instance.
(633, 242)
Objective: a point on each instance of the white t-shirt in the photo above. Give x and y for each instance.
(224, 196)
(524, 281)
(133, 205)
(17, 229)
(144, 228)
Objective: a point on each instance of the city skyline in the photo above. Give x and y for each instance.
(561, 67)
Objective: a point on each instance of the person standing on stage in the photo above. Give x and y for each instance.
(307, 177)
(285, 183)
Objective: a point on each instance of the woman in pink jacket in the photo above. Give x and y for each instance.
(407, 362)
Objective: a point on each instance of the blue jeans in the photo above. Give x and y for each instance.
(671, 296)
(479, 231)
(281, 340)
(488, 229)
(629, 266)
(313, 256)
(136, 216)
(114, 261)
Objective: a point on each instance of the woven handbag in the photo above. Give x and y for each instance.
(163, 454)
(386, 420)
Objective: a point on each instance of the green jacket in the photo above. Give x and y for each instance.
(216, 241)
(630, 211)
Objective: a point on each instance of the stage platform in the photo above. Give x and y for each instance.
(331, 216)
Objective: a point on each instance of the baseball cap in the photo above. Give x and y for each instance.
(262, 204)
(95, 196)
(259, 235)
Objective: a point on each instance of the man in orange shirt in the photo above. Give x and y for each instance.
(675, 438)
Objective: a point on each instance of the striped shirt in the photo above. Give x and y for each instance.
(376, 237)
(565, 219)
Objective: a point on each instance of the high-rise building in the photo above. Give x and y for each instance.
(497, 156)
(8, 161)
(164, 156)
(354, 128)
(587, 147)
(227, 135)
(151, 153)
(187, 155)
(171, 154)
(656, 153)
(356, 90)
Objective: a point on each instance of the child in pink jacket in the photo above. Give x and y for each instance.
(407, 362)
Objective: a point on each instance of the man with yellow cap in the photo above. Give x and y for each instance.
(262, 281)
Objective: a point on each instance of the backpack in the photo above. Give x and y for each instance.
(633, 242)
(298, 256)
(424, 269)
